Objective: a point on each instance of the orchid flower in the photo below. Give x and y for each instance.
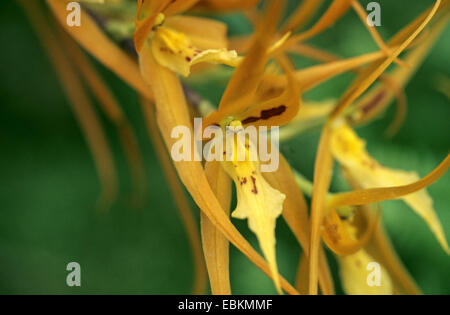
(260, 203)
(179, 42)
(172, 110)
(170, 45)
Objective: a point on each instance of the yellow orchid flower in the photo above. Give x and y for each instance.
(172, 111)
(356, 265)
(257, 200)
(174, 50)
(169, 40)
(349, 150)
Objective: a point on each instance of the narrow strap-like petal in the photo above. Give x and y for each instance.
(380, 248)
(302, 15)
(334, 12)
(337, 238)
(322, 178)
(248, 74)
(372, 195)
(215, 244)
(113, 111)
(372, 73)
(80, 103)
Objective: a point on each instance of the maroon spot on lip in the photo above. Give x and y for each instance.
(188, 59)
(243, 181)
(254, 189)
(266, 114)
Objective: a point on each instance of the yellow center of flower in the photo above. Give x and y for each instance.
(174, 50)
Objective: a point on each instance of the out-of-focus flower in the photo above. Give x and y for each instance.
(351, 154)
(349, 150)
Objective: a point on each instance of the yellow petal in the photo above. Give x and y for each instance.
(357, 272)
(204, 33)
(257, 200)
(350, 151)
(215, 245)
(174, 50)
(323, 167)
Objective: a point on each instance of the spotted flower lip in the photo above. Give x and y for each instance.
(257, 200)
(170, 42)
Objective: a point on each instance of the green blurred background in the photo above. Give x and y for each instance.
(48, 183)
